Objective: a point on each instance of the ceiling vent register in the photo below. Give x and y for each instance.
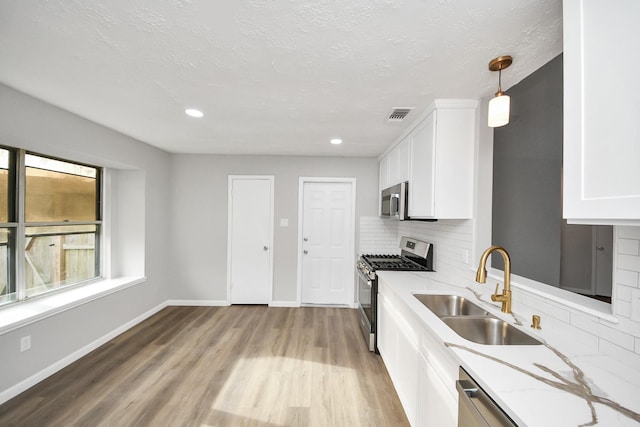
(398, 114)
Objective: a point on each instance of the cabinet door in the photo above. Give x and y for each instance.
(407, 378)
(384, 331)
(400, 355)
(384, 172)
(601, 110)
(394, 170)
(436, 408)
(404, 159)
(422, 170)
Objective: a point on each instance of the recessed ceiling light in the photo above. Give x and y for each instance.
(194, 113)
(336, 141)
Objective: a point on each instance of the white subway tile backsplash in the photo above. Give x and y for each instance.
(623, 308)
(629, 232)
(629, 262)
(623, 293)
(378, 236)
(629, 247)
(583, 320)
(635, 305)
(615, 336)
(627, 277)
(451, 238)
(549, 308)
(629, 358)
(624, 324)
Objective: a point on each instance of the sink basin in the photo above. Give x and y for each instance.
(450, 305)
(488, 330)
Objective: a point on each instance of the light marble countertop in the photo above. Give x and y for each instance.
(556, 384)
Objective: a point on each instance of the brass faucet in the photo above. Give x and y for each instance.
(481, 276)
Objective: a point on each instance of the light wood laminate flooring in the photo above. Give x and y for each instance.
(221, 366)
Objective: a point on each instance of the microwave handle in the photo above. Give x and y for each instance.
(402, 201)
(395, 205)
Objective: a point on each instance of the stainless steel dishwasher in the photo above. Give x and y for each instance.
(476, 408)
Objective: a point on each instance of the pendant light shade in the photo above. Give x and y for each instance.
(499, 106)
(499, 111)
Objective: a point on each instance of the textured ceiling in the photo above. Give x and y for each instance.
(272, 76)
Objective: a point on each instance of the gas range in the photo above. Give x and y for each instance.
(415, 256)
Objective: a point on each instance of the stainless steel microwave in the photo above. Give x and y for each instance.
(393, 202)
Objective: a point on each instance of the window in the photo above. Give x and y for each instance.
(49, 224)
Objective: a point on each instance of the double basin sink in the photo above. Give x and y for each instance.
(473, 322)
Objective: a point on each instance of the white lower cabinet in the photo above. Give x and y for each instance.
(427, 399)
(435, 405)
(400, 356)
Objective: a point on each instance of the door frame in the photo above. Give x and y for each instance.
(351, 231)
(231, 178)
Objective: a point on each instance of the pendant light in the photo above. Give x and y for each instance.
(500, 105)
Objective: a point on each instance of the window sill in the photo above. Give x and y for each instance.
(577, 302)
(17, 315)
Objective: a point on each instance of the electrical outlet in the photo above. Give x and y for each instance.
(25, 343)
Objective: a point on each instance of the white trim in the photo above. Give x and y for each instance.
(598, 221)
(106, 229)
(231, 178)
(23, 313)
(197, 303)
(562, 296)
(66, 361)
(351, 232)
(293, 304)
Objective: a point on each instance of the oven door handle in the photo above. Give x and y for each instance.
(365, 278)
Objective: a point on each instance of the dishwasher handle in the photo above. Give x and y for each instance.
(468, 413)
(476, 408)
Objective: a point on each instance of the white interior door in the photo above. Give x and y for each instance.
(250, 239)
(327, 239)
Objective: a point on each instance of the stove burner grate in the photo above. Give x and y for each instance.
(392, 262)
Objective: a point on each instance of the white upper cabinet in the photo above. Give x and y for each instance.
(403, 150)
(601, 112)
(394, 167)
(422, 170)
(441, 162)
(384, 172)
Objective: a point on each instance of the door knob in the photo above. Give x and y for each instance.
(600, 248)
(266, 248)
(305, 252)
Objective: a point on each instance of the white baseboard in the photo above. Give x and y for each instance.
(198, 303)
(66, 361)
(284, 304)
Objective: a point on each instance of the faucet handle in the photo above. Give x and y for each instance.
(497, 286)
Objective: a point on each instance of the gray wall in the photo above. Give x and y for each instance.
(527, 172)
(28, 123)
(169, 224)
(169, 221)
(199, 212)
